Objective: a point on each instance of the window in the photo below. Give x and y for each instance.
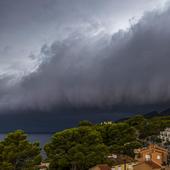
(158, 157)
(119, 168)
(147, 157)
(130, 166)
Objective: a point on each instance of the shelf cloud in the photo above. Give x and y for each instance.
(91, 68)
(96, 69)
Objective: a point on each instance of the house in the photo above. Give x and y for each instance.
(121, 162)
(123, 166)
(118, 162)
(151, 157)
(101, 167)
(165, 135)
(106, 123)
(43, 166)
(149, 165)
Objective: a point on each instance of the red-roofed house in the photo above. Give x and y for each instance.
(151, 157)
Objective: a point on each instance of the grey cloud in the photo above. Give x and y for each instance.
(87, 70)
(26, 25)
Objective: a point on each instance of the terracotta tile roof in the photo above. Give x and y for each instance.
(153, 164)
(104, 167)
(153, 147)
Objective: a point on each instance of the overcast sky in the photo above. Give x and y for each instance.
(84, 53)
(26, 25)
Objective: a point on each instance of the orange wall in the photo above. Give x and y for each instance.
(154, 158)
(142, 166)
(154, 153)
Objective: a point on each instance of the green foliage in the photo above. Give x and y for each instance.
(85, 123)
(16, 153)
(128, 148)
(84, 146)
(77, 148)
(117, 133)
(88, 145)
(137, 121)
(148, 127)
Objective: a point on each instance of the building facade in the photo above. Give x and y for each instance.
(165, 135)
(151, 157)
(127, 166)
(43, 166)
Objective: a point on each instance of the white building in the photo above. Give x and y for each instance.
(44, 166)
(106, 123)
(165, 135)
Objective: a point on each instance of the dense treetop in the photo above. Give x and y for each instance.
(17, 153)
(83, 146)
(89, 144)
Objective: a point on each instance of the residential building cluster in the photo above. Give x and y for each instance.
(147, 158)
(165, 136)
(152, 157)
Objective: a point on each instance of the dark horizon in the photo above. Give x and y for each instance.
(32, 122)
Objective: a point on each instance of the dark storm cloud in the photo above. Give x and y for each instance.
(25, 25)
(98, 70)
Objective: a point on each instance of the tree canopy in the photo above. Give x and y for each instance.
(90, 144)
(76, 148)
(17, 153)
(84, 146)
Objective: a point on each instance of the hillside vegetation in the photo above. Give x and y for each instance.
(87, 145)
(83, 146)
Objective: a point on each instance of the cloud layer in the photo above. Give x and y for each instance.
(26, 25)
(93, 69)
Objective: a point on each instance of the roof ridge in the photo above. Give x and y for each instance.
(153, 162)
